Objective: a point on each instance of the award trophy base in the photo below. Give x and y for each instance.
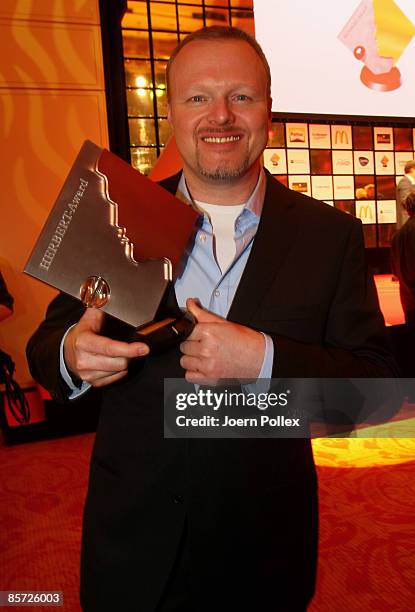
(165, 334)
(386, 81)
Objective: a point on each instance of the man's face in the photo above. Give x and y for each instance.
(219, 108)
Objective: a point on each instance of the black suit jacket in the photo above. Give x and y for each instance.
(250, 504)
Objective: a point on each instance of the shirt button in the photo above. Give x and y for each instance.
(202, 237)
(217, 293)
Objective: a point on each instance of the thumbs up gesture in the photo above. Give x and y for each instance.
(218, 349)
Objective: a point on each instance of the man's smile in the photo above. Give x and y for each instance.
(220, 139)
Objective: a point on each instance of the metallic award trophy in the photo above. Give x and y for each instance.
(114, 239)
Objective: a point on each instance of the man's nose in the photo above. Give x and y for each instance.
(220, 111)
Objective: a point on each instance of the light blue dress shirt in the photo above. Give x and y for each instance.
(202, 277)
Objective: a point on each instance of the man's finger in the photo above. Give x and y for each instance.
(201, 315)
(191, 363)
(92, 319)
(101, 345)
(192, 347)
(106, 380)
(90, 363)
(200, 379)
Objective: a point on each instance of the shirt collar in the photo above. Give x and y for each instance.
(411, 178)
(254, 203)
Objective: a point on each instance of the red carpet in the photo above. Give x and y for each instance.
(367, 539)
(390, 304)
(42, 490)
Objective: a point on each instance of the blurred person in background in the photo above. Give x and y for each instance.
(405, 186)
(403, 260)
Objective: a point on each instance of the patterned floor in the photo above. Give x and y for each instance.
(367, 534)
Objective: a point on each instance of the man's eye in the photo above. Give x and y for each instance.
(197, 99)
(241, 98)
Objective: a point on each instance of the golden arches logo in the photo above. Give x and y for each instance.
(341, 137)
(365, 212)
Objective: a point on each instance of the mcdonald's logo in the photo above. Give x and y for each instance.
(341, 137)
(365, 213)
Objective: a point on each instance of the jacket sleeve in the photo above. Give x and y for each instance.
(43, 347)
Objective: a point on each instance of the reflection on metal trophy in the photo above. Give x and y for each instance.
(378, 33)
(114, 239)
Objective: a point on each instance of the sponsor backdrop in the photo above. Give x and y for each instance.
(352, 167)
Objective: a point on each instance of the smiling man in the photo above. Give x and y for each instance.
(283, 291)
(221, 121)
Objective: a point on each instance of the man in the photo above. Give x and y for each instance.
(403, 260)
(405, 186)
(226, 524)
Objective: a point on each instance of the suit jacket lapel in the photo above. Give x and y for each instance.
(171, 183)
(275, 236)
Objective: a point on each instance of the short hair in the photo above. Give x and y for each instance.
(409, 203)
(220, 33)
(410, 165)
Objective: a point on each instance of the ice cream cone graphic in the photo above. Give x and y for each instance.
(378, 33)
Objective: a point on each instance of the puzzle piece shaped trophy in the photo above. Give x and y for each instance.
(114, 240)
(377, 34)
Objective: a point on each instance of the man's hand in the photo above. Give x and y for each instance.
(217, 349)
(96, 359)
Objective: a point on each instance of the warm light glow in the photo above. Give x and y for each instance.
(141, 92)
(141, 81)
(362, 453)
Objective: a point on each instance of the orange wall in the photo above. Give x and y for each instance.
(52, 98)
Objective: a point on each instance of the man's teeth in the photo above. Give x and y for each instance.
(222, 139)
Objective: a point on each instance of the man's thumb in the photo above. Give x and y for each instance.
(201, 315)
(93, 319)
